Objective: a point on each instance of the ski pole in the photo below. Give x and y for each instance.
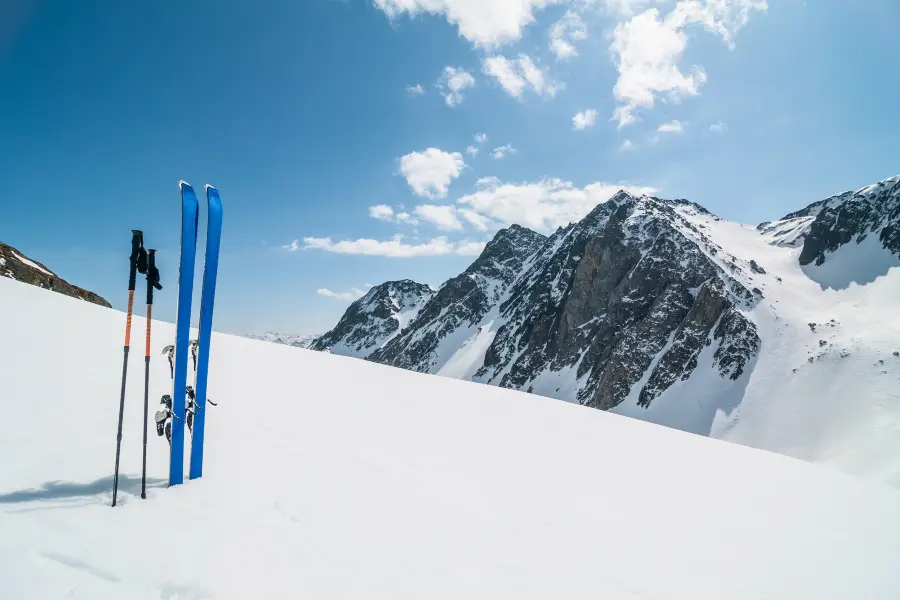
(152, 282)
(137, 262)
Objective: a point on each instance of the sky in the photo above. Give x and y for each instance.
(357, 141)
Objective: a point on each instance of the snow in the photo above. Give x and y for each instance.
(31, 264)
(328, 477)
(842, 409)
(468, 359)
(854, 263)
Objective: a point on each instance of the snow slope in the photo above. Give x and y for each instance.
(826, 384)
(328, 477)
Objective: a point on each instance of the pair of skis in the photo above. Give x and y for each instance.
(189, 212)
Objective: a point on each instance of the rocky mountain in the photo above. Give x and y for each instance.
(659, 310)
(375, 319)
(462, 304)
(636, 287)
(297, 341)
(15, 265)
(859, 230)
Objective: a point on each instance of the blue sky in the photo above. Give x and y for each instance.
(307, 118)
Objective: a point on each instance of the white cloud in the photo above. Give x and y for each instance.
(394, 248)
(415, 90)
(518, 75)
(468, 248)
(484, 23)
(626, 8)
(585, 119)
(444, 217)
(502, 151)
(472, 151)
(648, 48)
(724, 17)
(648, 51)
(627, 145)
(353, 294)
(293, 246)
(382, 212)
(671, 127)
(480, 222)
(452, 83)
(543, 205)
(481, 138)
(407, 219)
(430, 173)
(564, 33)
(719, 127)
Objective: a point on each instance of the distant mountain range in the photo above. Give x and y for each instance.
(298, 341)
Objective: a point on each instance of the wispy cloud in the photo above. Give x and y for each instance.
(517, 75)
(394, 248)
(719, 127)
(564, 33)
(353, 294)
(415, 90)
(671, 127)
(543, 205)
(501, 151)
(452, 83)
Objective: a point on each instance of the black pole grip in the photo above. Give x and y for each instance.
(137, 247)
(152, 275)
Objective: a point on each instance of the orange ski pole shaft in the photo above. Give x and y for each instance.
(137, 260)
(152, 283)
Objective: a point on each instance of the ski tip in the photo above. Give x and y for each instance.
(183, 184)
(210, 187)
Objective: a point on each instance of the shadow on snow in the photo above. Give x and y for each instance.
(64, 490)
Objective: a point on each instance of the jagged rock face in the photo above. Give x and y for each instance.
(631, 289)
(462, 302)
(375, 319)
(15, 265)
(873, 210)
(824, 226)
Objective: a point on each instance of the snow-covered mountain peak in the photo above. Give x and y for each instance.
(376, 318)
(847, 238)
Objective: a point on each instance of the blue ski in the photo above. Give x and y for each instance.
(183, 327)
(207, 299)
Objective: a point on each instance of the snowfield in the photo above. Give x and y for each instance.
(826, 385)
(329, 477)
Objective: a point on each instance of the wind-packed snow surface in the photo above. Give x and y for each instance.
(328, 477)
